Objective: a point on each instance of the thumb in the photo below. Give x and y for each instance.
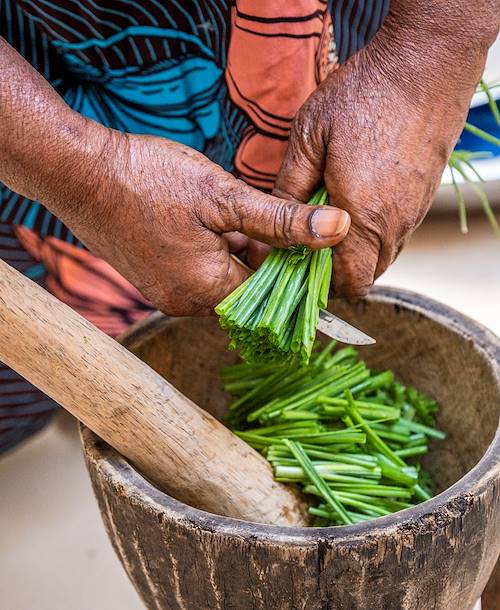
(277, 222)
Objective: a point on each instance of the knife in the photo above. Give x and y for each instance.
(339, 329)
(330, 325)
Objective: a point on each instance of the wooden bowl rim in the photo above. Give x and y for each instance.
(113, 466)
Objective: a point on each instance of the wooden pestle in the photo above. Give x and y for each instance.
(178, 446)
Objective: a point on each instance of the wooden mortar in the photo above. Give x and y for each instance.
(438, 555)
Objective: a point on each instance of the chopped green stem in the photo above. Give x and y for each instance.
(384, 432)
(416, 439)
(328, 495)
(372, 436)
(331, 515)
(416, 427)
(327, 471)
(372, 383)
(369, 410)
(273, 315)
(412, 451)
(324, 354)
(375, 490)
(347, 451)
(394, 473)
(421, 494)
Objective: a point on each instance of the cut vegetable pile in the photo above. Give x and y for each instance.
(273, 315)
(350, 438)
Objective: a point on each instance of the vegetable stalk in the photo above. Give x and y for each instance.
(273, 315)
(338, 431)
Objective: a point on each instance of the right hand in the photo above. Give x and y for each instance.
(157, 211)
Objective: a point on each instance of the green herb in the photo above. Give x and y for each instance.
(480, 133)
(460, 162)
(339, 431)
(318, 481)
(273, 315)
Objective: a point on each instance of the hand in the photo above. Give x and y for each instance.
(380, 130)
(158, 211)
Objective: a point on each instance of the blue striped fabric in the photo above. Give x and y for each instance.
(355, 23)
(113, 61)
(150, 66)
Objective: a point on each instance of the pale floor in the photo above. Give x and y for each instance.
(54, 554)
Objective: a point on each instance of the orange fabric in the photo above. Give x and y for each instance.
(278, 53)
(86, 283)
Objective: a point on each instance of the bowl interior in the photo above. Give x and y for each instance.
(423, 346)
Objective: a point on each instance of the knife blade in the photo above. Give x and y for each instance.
(339, 329)
(331, 325)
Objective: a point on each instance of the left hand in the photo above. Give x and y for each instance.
(379, 131)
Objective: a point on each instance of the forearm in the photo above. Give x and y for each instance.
(47, 151)
(456, 18)
(425, 46)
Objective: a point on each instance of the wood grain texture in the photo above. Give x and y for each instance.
(436, 556)
(180, 447)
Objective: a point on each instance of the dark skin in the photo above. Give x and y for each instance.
(379, 131)
(167, 218)
(156, 210)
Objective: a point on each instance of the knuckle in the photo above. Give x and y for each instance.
(388, 228)
(233, 194)
(210, 284)
(190, 297)
(400, 245)
(284, 218)
(356, 263)
(376, 223)
(357, 290)
(384, 229)
(188, 302)
(210, 184)
(355, 281)
(408, 219)
(224, 195)
(301, 120)
(306, 136)
(352, 284)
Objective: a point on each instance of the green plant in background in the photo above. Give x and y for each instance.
(349, 438)
(461, 163)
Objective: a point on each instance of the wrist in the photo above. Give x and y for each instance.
(55, 160)
(77, 166)
(471, 24)
(48, 152)
(433, 51)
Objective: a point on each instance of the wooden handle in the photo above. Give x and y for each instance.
(177, 445)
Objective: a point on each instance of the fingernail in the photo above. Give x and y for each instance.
(328, 222)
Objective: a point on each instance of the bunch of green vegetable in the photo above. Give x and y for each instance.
(273, 315)
(348, 437)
